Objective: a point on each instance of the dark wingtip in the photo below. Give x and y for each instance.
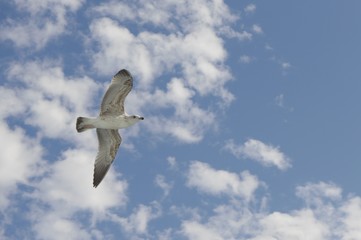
(124, 73)
(99, 174)
(79, 120)
(96, 181)
(80, 125)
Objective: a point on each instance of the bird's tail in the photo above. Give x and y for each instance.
(83, 123)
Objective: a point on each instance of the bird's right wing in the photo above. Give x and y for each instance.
(113, 100)
(109, 141)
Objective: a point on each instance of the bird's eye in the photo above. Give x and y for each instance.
(133, 116)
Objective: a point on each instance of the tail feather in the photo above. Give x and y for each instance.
(82, 124)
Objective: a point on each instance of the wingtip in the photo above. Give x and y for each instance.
(124, 72)
(95, 183)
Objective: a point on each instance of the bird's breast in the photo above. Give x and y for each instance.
(110, 122)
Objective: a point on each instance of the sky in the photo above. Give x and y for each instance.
(251, 127)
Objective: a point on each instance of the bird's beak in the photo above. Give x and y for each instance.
(141, 118)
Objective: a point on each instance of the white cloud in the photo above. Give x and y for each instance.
(350, 223)
(233, 220)
(186, 14)
(267, 155)
(216, 182)
(280, 100)
(46, 20)
(153, 53)
(297, 225)
(327, 214)
(172, 162)
(156, 52)
(250, 8)
(195, 230)
(185, 212)
(195, 50)
(137, 223)
(142, 12)
(20, 159)
(188, 122)
(53, 227)
(48, 78)
(50, 100)
(60, 192)
(245, 36)
(15, 108)
(69, 184)
(165, 186)
(335, 218)
(241, 35)
(37, 6)
(285, 65)
(245, 59)
(257, 29)
(66, 190)
(314, 194)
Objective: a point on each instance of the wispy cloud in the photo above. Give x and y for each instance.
(163, 184)
(250, 8)
(281, 102)
(245, 59)
(314, 194)
(279, 99)
(62, 193)
(285, 65)
(256, 150)
(136, 224)
(172, 162)
(268, 47)
(257, 29)
(46, 21)
(21, 159)
(217, 182)
(196, 230)
(49, 98)
(335, 217)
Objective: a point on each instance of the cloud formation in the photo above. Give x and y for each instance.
(195, 52)
(334, 218)
(217, 182)
(44, 21)
(250, 8)
(178, 53)
(256, 150)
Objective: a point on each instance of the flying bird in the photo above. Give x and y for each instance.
(111, 118)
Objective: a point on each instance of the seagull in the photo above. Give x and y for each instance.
(111, 118)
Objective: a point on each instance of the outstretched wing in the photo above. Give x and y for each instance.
(109, 141)
(113, 100)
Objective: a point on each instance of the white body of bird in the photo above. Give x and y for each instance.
(107, 122)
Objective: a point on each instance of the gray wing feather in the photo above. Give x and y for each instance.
(113, 100)
(109, 141)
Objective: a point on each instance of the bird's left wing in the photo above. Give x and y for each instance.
(109, 141)
(113, 100)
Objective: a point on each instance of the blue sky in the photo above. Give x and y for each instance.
(251, 126)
